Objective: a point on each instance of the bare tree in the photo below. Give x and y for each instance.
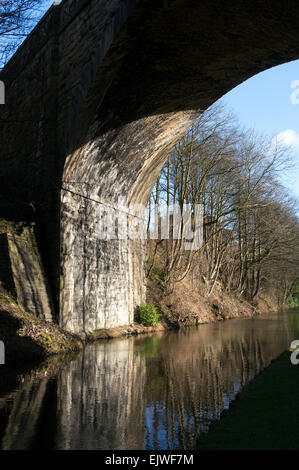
(17, 18)
(251, 230)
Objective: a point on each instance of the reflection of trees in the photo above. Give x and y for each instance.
(197, 373)
(24, 415)
(160, 391)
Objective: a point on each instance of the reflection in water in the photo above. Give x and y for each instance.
(157, 392)
(101, 398)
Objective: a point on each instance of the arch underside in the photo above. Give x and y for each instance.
(170, 61)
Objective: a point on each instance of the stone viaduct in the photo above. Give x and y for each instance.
(96, 96)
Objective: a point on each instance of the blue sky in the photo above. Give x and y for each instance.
(264, 103)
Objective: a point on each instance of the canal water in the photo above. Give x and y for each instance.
(146, 392)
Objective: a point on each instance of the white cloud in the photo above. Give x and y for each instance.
(288, 137)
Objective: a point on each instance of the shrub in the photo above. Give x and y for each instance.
(161, 275)
(147, 315)
(293, 299)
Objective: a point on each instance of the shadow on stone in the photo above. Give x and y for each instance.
(17, 347)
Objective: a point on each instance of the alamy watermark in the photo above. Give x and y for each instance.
(137, 222)
(2, 92)
(2, 353)
(295, 94)
(295, 352)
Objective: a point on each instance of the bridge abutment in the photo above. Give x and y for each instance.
(101, 279)
(96, 97)
(29, 280)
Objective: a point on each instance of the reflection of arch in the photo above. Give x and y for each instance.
(169, 61)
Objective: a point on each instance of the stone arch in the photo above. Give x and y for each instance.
(170, 61)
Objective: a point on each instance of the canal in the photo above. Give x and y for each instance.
(145, 392)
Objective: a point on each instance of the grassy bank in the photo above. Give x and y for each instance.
(28, 338)
(265, 414)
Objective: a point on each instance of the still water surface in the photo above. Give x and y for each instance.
(150, 392)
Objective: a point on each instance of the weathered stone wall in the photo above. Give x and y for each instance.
(28, 118)
(46, 83)
(95, 98)
(24, 263)
(29, 159)
(108, 281)
(87, 30)
(29, 277)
